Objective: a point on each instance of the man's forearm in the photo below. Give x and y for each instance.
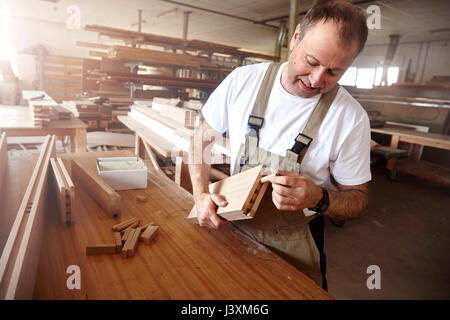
(347, 203)
(199, 161)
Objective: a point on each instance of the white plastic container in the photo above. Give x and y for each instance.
(123, 173)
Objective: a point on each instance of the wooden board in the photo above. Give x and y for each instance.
(241, 192)
(19, 260)
(106, 197)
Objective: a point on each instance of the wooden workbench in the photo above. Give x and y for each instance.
(16, 122)
(413, 165)
(184, 262)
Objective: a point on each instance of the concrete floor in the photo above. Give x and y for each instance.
(406, 232)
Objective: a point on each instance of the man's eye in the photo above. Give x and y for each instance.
(331, 73)
(311, 63)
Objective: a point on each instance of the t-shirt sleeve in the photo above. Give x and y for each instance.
(352, 166)
(215, 110)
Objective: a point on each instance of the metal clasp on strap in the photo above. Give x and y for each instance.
(254, 124)
(301, 141)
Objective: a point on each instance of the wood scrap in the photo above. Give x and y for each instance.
(118, 238)
(149, 234)
(124, 224)
(103, 248)
(131, 248)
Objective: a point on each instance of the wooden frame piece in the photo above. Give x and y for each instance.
(65, 190)
(20, 256)
(243, 192)
(107, 198)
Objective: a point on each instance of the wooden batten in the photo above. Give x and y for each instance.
(65, 190)
(106, 197)
(19, 260)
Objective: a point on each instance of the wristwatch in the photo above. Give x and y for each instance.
(323, 204)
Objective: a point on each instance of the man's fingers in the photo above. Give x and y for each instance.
(282, 201)
(288, 173)
(283, 190)
(218, 200)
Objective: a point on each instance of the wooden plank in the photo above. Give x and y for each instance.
(64, 70)
(63, 89)
(92, 45)
(102, 193)
(238, 191)
(68, 78)
(118, 238)
(18, 263)
(163, 147)
(63, 61)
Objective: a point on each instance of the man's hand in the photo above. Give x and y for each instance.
(207, 204)
(293, 191)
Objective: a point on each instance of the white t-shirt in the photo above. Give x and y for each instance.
(341, 148)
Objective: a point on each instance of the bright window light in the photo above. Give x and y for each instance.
(365, 77)
(392, 75)
(6, 49)
(349, 77)
(378, 75)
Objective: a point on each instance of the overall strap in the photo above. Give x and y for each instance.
(304, 139)
(256, 119)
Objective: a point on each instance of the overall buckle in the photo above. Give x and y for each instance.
(301, 141)
(254, 124)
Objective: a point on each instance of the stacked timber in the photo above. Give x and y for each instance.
(153, 80)
(43, 108)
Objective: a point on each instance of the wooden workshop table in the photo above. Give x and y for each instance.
(428, 139)
(183, 262)
(16, 122)
(413, 165)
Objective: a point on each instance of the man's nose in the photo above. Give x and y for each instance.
(317, 78)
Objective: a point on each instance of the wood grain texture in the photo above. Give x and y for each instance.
(19, 260)
(185, 261)
(108, 199)
(238, 191)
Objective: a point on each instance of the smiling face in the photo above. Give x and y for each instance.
(317, 61)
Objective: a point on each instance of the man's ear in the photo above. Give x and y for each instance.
(295, 37)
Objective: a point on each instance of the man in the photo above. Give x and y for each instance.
(295, 118)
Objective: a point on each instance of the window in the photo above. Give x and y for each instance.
(349, 77)
(365, 77)
(392, 75)
(378, 75)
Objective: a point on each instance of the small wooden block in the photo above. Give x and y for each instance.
(118, 238)
(126, 234)
(146, 225)
(149, 234)
(131, 248)
(142, 198)
(124, 224)
(104, 248)
(124, 252)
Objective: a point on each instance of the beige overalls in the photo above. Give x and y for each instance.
(287, 233)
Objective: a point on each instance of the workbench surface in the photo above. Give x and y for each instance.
(183, 262)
